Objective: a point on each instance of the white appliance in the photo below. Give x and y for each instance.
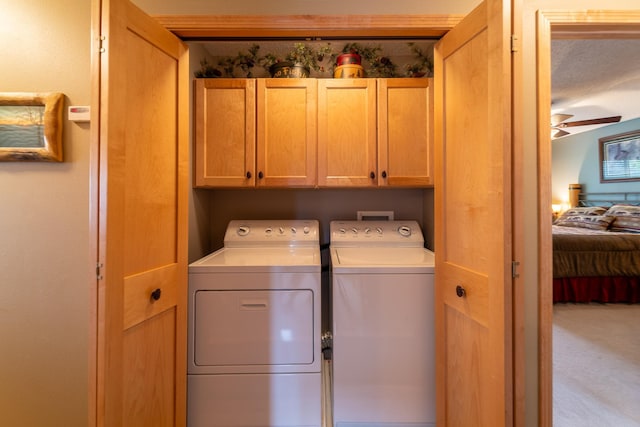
(254, 356)
(383, 325)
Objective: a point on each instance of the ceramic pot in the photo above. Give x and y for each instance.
(348, 58)
(349, 71)
(288, 70)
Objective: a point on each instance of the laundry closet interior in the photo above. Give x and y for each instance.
(214, 206)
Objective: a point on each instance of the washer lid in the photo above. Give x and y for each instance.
(382, 259)
(271, 259)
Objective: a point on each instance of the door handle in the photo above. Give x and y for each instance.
(461, 292)
(155, 295)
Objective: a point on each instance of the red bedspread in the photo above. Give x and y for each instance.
(601, 289)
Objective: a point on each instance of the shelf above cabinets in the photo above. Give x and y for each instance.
(306, 133)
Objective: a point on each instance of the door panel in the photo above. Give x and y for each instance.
(473, 220)
(143, 183)
(149, 352)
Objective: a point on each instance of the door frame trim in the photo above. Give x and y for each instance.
(556, 24)
(194, 27)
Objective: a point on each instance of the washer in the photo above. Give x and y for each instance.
(383, 325)
(254, 356)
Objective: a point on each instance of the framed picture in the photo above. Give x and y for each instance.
(620, 157)
(31, 126)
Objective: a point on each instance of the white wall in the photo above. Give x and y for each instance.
(44, 232)
(576, 160)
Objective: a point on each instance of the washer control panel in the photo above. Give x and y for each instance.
(271, 232)
(362, 233)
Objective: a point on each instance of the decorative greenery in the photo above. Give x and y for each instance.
(424, 66)
(378, 64)
(246, 62)
(307, 56)
(300, 54)
(228, 65)
(207, 70)
(374, 61)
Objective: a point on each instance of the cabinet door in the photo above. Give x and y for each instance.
(286, 135)
(347, 133)
(225, 132)
(404, 132)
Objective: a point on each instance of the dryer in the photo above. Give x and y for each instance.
(254, 356)
(383, 355)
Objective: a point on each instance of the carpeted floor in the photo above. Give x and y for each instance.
(596, 365)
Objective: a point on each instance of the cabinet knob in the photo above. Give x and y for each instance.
(372, 175)
(260, 175)
(248, 175)
(155, 295)
(384, 174)
(460, 291)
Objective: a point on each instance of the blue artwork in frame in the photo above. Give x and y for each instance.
(31, 126)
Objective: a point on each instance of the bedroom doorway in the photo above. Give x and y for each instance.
(583, 25)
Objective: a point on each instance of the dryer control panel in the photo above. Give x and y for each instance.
(242, 233)
(378, 233)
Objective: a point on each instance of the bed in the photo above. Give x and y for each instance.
(596, 251)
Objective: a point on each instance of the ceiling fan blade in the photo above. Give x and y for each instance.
(558, 133)
(559, 118)
(613, 119)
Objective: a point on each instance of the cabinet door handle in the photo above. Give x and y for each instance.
(372, 175)
(260, 175)
(248, 175)
(155, 295)
(384, 174)
(460, 291)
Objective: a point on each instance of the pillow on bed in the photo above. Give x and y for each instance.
(625, 218)
(593, 222)
(584, 210)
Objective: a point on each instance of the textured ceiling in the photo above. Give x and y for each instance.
(595, 78)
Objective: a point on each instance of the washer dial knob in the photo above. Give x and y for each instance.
(404, 231)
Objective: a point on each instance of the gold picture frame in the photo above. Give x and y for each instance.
(31, 126)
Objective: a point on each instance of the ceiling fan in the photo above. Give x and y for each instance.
(559, 121)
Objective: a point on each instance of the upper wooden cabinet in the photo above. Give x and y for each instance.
(347, 133)
(286, 133)
(313, 132)
(239, 145)
(225, 124)
(405, 151)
